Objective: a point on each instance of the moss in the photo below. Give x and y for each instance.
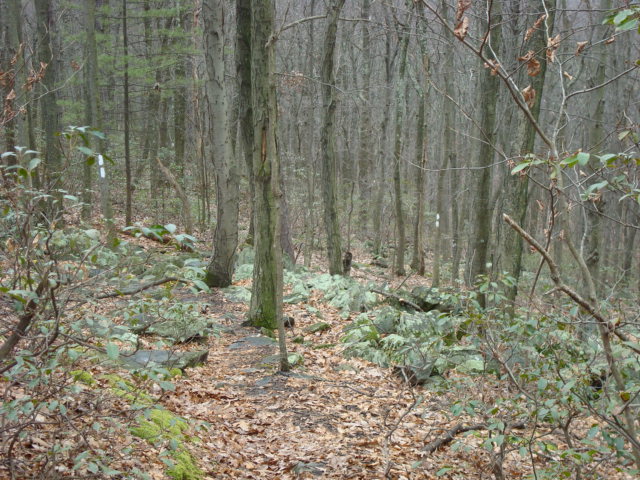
(175, 372)
(127, 390)
(299, 339)
(317, 327)
(160, 425)
(185, 467)
(83, 377)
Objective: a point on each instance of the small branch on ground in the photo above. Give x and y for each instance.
(141, 288)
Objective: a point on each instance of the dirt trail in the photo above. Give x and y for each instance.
(330, 418)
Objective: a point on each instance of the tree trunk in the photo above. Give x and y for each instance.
(366, 147)
(517, 187)
(266, 299)
(49, 112)
(127, 151)
(220, 270)
(245, 116)
(327, 141)
(397, 153)
(488, 95)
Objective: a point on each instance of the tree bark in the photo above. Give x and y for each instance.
(220, 270)
(49, 111)
(127, 150)
(244, 105)
(327, 141)
(517, 187)
(266, 298)
(488, 95)
(401, 243)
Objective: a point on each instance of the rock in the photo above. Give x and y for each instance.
(249, 342)
(175, 330)
(426, 298)
(317, 327)
(314, 468)
(166, 358)
(414, 375)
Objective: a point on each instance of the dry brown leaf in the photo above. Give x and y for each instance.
(529, 95)
(567, 75)
(493, 65)
(610, 40)
(463, 6)
(533, 65)
(462, 28)
(535, 27)
(552, 45)
(580, 47)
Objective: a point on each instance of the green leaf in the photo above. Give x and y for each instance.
(443, 471)
(85, 150)
(520, 167)
(112, 351)
(33, 163)
(583, 158)
(542, 384)
(201, 285)
(170, 227)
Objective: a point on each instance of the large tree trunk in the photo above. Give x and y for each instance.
(327, 141)
(266, 298)
(366, 148)
(397, 153)
(516, 188)
(93, 118)
(49, 111)
(245, 115)
(127, 151)
(220, 270)
(488, 95)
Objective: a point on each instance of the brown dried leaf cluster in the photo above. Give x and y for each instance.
(529, 95)
(463, 6)
(535, 27)
(580, 46)
(462, 28)
(533, 65)
(552, 45)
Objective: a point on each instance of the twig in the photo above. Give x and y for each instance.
(140, 288)
(450, 435)
(400, 299)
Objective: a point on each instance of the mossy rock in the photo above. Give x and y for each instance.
(294, 359)
(160, 425)
(83, 376)
(317, 327)
(237, 294)
(185, 466)
(166, 358)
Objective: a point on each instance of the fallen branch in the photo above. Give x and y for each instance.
(141, 288)
(450, 435)
(398, 298)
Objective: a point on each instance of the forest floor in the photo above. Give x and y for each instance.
(330, 417)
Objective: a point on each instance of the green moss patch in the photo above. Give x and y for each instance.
(83, 376)
(161, 426)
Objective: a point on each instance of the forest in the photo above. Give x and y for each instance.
(299, 239)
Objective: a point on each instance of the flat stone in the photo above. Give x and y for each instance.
(166, 358)
(249, 342)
